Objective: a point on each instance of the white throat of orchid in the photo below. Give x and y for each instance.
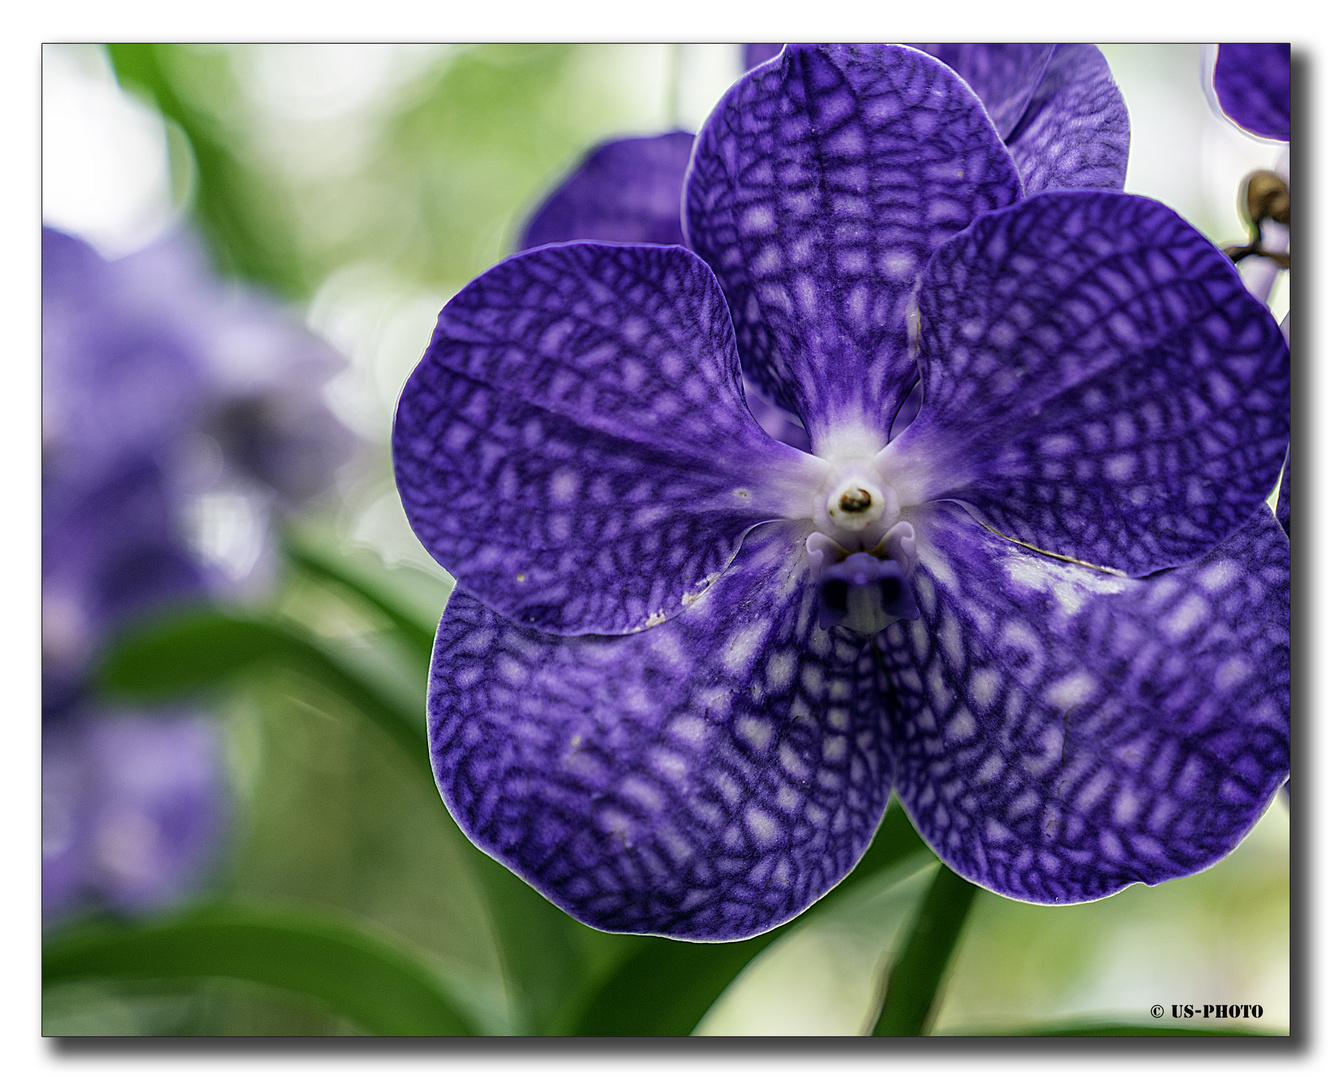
(862, 554)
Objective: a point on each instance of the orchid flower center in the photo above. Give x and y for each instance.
(862, 554)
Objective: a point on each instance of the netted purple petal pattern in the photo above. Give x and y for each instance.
(705, 779)
(1063, 732)
(756, 54)
(626, 190)
(1097, 382)
(1253, 87)
(1075, 133)
(575, 447)
(1004, 76)
(820, 186)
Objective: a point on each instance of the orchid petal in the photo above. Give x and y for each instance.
(1075, 133)
(1098, 383)
(575, 447)
(1253, 87)
(1063, 732)
(705, 779)
(1004, 76)
(820, 186)
(626, 190)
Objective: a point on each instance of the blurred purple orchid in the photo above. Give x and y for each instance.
(686, 665)
(160, 386)
(134, 810)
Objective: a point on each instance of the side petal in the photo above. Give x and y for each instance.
(575, 448)
(1004, 76)
(1063, 732)
(1075, 133)
(626, 190)
(1253, 87)
(1098, 383)
(706, 779)
(820, 185)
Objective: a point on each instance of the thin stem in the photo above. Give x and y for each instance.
(913, 987)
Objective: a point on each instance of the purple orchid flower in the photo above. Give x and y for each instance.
(686, 665)
(1252, 84)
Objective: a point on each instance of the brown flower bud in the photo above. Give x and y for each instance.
(1267, 196)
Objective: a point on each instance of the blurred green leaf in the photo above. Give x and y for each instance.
(246, 234)
(912, 989)
(417, 637)
(484, 137)
(538, 943)
(205, 649)
(354, 973)
(665, 986)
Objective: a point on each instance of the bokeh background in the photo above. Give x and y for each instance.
(358, 187)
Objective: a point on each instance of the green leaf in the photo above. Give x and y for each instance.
(416, 636)
(354, 973)
(665, 986)
(205, 649)
(238, 217)
(912, 989)
(540, 950)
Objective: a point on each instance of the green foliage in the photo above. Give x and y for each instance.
(353, 972)
(911, 990)
(234, 202)
(203, 650)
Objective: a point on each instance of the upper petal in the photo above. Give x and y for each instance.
(819, 187)
(706, 779)
(1253, 87)
(1064, 732)
(1075, 133)
(574, 447)
(1098, 383)
(627, 190)
(1004, 76)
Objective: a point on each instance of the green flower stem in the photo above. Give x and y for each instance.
(912, 990)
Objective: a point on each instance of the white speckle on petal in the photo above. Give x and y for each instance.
(1072, 690)
(740, 650)
(1189, 615)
